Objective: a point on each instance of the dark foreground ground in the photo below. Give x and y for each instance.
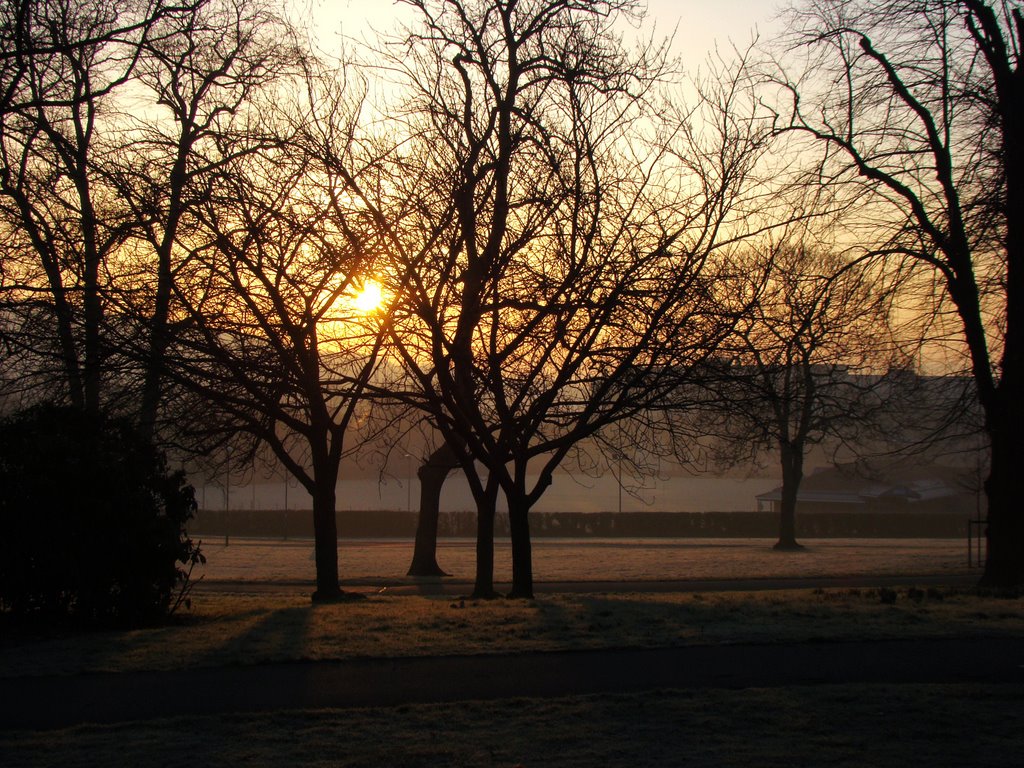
(61, 701)
(955, 701)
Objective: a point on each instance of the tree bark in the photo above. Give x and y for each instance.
(432, 475)
(483, 587)
(325, 535)
(792, 475)
(1004, 564)
(522, 550)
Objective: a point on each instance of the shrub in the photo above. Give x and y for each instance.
(93, 523)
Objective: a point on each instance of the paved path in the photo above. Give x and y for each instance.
(54, 702)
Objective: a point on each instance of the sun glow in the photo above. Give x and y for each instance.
(369, 298)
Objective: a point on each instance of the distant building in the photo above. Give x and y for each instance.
(848, 488)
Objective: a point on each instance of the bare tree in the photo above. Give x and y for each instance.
(804, 364)
(555, 236)
(62, 66)
(205, 71)
(916, 110)
(272, 334)
(432, 474)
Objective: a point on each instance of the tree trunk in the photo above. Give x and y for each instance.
(1004, 405)
(792, 474)
(485, 505)
(152, 385)
(152, 388)
(522, 550)
(1004, 564)
(325, 538)
(432, 476)
(92, 312)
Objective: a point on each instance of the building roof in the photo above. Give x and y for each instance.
(843, 485)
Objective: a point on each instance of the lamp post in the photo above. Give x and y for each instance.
(620, 481)
(227, 494)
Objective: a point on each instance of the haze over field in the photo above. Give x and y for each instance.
(647, 256)
(678, 493)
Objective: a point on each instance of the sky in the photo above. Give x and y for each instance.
(698, 24)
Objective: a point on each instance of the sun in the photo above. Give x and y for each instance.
(369, 298)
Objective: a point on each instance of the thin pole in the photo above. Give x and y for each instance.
(227, 496)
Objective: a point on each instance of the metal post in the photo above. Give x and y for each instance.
(227, 496)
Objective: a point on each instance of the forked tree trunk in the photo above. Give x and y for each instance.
(432, 475)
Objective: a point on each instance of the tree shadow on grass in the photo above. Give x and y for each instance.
(277, 634)
(642, 621)
(605, 621)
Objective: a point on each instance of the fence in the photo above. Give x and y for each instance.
(278, 524)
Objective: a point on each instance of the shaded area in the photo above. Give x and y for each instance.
(55, 702)
(849, 725)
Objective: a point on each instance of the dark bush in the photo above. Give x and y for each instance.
(92, 523)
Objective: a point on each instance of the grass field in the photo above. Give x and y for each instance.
(835, 725)
(596, 559)
(252, 629)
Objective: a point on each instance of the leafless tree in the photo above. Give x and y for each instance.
(201, 78)
(62, 66)
(552, 233)
(804, 366)
(432, 474)
(271, 332)
(915, 110)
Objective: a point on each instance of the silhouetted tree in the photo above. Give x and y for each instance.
(551, 234)
(62, 67)
(271, 335)
(805, 363)
(205, 69)
(432, 473)
(917, 109)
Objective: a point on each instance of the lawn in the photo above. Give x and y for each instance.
(837, 725)
(384, 560)
(225, 628)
